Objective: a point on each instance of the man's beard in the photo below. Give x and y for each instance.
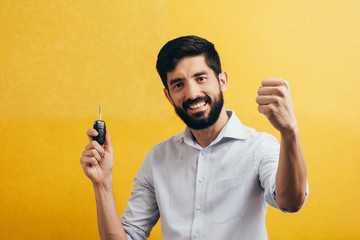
(199, 121)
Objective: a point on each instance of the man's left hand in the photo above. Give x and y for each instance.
(275, 103)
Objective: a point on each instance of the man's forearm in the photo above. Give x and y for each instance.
(291, 174)
(109, 224)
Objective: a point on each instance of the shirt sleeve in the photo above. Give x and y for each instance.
(270, 196)
(267, 156)
(141, 213)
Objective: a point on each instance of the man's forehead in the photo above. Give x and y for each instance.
(191, 60)
(189, 66)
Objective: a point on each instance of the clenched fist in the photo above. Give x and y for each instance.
(275, 103)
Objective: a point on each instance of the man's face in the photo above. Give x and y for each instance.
(195, 92)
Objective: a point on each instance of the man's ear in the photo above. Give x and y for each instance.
(167, 95)
(223, 81)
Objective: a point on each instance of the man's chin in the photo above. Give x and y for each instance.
(198, 115)
(203, 117)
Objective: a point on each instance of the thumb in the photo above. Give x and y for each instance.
(107, 143)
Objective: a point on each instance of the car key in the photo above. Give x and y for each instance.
(100, 127)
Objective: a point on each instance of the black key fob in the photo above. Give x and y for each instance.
(100, 127)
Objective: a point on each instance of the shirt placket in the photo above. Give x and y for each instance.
(201, 182)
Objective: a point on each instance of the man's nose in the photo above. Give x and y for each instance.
(192, 90)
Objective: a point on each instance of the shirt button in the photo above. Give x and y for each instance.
(203, 152)
(201, 180)
(196, 235)
(198, 208)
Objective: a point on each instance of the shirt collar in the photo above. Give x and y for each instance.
(232, 129)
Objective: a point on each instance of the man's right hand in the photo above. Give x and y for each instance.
(97, 161)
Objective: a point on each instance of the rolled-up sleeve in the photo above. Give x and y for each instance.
(141, 213)
(267, 157)
(270, 196)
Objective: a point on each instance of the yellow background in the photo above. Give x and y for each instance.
(60, 59)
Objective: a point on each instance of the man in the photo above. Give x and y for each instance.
(215, 179)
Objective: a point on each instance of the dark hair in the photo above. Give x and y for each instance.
(173, 51)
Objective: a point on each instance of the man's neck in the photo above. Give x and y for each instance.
(206, 136)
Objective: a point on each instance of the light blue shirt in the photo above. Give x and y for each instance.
(217, 192)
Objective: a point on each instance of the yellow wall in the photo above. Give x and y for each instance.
(60, 59)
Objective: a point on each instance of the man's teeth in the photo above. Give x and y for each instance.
(194, 106)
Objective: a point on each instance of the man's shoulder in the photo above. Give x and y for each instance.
(165, 150)
(260, 137)
(171, 142)
(243, 131)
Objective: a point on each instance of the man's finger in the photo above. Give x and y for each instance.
(89, 161)
(92, 153)
(267, 110)
(95, 145)
(273, 82)
(267, 99)
(278, 91)
(107, 137)
(107, 143)
(91, 133)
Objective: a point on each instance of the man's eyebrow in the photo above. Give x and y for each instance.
(176, 80)
(200, 73)
(173, 81)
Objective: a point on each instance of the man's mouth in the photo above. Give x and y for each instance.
(197, 105)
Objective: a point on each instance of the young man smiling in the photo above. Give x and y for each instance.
(196, 94)
(215, 179)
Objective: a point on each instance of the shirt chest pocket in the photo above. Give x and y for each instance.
(228, 200)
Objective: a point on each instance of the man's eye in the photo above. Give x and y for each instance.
(178, 85)
(201, 78)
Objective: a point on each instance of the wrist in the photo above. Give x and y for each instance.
(290, 132)
(105, 185)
